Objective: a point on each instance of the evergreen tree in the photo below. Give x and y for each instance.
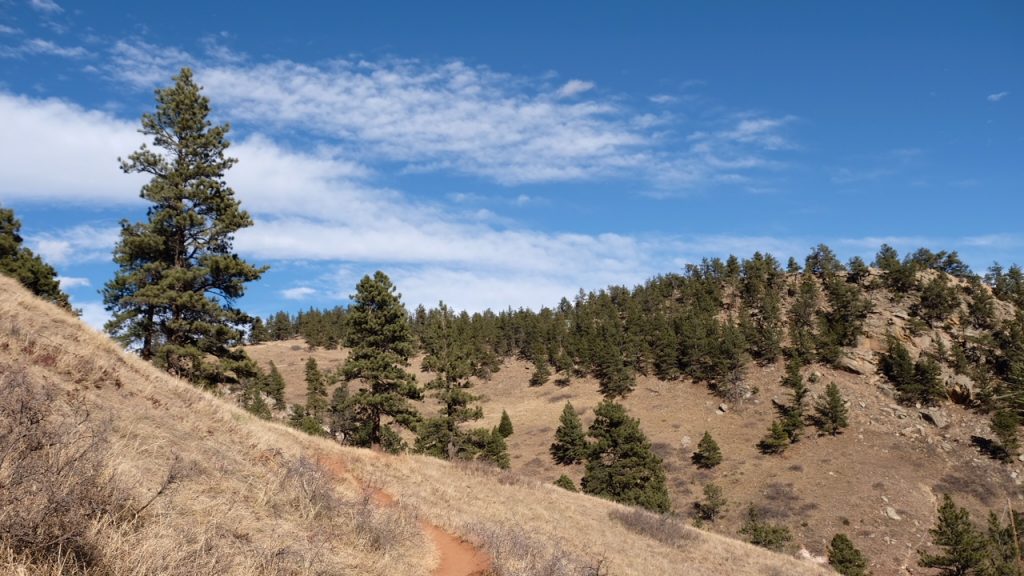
(570, 446)
(448, 355)
(496, 450)
(505, 425)
(963, 547)
(709, 509)
(708, 454)
(938, 300)
(793, 414)
(1004, 425)
(380, 339)
(541, 374)
(1002, 547)
(172, 296)
(23, 265)
(776, 441)
(831, 411)
(914, 381)
(801, 320)
(859, 271)
(621, 465)
(316, 390)
(300, 419)
(341, 417)
(566, 483)
(845, 558)
(275, 386)
(841, 323)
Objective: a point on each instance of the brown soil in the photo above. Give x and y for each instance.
(456, 557)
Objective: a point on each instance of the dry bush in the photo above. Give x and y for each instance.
(660, 527)
(515, 553)
(53, 474)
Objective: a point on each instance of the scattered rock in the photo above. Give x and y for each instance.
(686, 442)
(778, 403)
(935, 418)
(805, 554)
(890, 512)
(815, 377)
(723, 408)
(863, 405)
(857, 362)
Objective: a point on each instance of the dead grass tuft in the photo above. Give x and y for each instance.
(660, 527)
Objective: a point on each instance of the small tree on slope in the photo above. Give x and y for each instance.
(845, 558)
(963, 547)
(708, 454)
(621, 465)
(570, 446)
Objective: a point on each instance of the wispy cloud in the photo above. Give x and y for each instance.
(40, 47)
(8, 30)
(454, 117)
(663, 99)
(574, 88)
(46, 6)
(81, 243)
(69, 282)
(298, 293)
(997, 96)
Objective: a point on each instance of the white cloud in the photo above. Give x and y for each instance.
(93, 314)
(47, 6)
(55, 150)
(997, 96)
(454, 117)
(79, 244)
(663, 99)
(298, 293)
(8, 30)
(574, 88)
(40, 47)
(69, 282)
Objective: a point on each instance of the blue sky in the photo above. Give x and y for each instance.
(507, 156)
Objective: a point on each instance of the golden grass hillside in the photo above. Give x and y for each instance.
(173, 480)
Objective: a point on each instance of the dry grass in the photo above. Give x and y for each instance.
(221, 492)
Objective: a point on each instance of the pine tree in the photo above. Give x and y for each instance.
(20, 263)
(380, 339)
(801, 320)
(341, 418)
(316, 390)
(1002, 547)
(300, 419)
(776, 441)
(709, 509)
(541, 374)
(708, 454)
(1004, 425)
(831, 411)
(448, 356)
(570, 446)
(566, 483)
(963, 547)
(621, 465)
(496, 450)
(275, 387)
(845, 558)
(173, 294)
(505, 425)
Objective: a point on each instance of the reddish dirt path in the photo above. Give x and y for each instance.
(456, 556)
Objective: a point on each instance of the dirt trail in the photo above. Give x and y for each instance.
(456, 556)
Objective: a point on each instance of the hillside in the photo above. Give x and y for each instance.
(144, 474)
(880, 481)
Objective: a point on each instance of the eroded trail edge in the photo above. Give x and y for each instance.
(456, 557)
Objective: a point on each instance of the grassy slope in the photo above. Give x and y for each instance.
(240, 503)
(889, 457)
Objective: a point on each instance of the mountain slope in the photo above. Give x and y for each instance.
(203, 487)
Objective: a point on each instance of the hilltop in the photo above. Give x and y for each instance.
(147, 474)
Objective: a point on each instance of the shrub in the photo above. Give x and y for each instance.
(711, 507)
(505, 426)
(566, 483)
(762, 533)
(845, 558)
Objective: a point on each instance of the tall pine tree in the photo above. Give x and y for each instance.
(173, 295)
(21, 264)
(381, 341)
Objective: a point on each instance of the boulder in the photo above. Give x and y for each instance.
(857, 362)
(723, 408)
(890, 513)
(935, 418)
